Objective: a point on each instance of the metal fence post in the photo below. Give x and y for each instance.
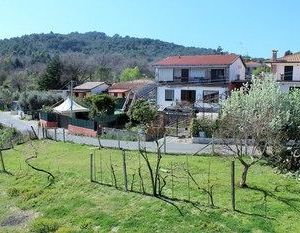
(125, 171)
(233, 185)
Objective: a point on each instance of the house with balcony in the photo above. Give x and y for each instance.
(286, 70)
(199, 81)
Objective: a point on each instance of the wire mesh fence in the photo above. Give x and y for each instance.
(178, 177)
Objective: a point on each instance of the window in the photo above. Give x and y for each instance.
(188, 95)
(184, 73)
(288, 73)
(210, 96)
(169, 95)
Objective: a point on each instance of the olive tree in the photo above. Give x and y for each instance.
(255, 113)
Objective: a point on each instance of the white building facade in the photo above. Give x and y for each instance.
(286, 70)
(201, 81)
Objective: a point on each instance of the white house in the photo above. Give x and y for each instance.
(286, 69)
(197, 80)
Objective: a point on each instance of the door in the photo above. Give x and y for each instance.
(288, 73)
(188, 95)
(184, 75)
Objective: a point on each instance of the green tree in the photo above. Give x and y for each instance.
(101, 104)
(103, 74)
(258, 113)
(261, 71)
(6, 97)
(52, 76)
(36, 100)
(130, 74)
(143, 112)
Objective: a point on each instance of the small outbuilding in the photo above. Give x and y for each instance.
(90, 88)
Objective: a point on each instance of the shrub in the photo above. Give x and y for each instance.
(36, 100)
(100, 104)
(142, 112)
(44, 225)
(205, 125)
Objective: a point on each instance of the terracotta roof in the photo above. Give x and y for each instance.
(253, 64)
(88, 85)
(198, 60)
(130, 85)
(288, 58)
(291, 58)
(118, 90)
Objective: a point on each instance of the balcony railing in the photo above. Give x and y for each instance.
(204, 80)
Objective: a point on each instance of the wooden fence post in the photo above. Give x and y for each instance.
(55, 134)
(125, 171)
(101, 170)
(188, 177)
(165, 144)
(91, 166)
(119, 143)
(139, 144)
(233, 185)
(213, 145)
(64, 135)
(177, 126)
(172, 179)
(35, 135)
(2, 162)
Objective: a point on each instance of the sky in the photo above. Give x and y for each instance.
(244, 27)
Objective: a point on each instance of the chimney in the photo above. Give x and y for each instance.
(274, 54)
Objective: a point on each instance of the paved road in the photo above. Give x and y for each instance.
(14, 121)
(171, 147)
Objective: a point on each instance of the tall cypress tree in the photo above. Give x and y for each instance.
(51, 78)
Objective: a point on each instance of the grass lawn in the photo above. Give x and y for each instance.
(74, 204)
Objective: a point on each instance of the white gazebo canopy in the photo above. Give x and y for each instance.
(68, 107)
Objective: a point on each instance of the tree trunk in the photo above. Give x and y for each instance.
(244, 176)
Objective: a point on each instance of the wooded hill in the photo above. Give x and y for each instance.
(92, 55)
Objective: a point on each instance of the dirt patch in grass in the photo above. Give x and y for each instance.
(18, 218)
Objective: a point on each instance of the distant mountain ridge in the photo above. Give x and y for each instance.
(93, 43)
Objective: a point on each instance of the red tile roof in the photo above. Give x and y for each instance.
(291, 58)
(129, 85)
(198, 60)
(287, 59)
(253, 64)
